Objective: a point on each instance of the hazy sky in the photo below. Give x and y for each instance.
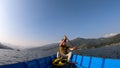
(39, 22)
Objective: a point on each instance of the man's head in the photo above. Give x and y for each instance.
(64, 40)
(65, 37)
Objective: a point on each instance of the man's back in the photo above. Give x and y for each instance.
(63, 49)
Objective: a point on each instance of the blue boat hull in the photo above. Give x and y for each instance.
(82, 62)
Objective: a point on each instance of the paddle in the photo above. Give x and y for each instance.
(75, 48)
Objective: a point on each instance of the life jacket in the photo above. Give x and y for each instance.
(59, 61)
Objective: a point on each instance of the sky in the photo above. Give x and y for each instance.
(41, 22)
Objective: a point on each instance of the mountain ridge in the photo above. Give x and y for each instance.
(91, 47)
(2, 46)
(88, 43)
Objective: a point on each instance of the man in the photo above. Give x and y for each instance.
(63, 49)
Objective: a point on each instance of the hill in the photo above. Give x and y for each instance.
(2, 46)
(112, 51)
(96, 43)
(93, 47)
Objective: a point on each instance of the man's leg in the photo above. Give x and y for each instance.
(58, 55)
(69, 56)
(61, 55)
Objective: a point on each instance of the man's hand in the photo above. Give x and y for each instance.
(73, 48)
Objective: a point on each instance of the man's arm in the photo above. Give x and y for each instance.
(62, 41)
(72, 48)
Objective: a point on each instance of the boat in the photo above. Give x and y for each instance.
(81, 62)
